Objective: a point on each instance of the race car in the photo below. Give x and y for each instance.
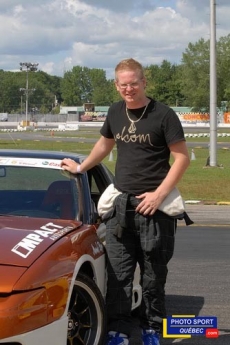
(52, 251)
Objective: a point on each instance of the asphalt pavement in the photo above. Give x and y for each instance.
(209, 214)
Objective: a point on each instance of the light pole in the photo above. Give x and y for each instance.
(213, 86)
(21, 103)
(26, 92)
(28, 67)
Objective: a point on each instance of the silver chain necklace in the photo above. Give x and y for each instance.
(132, 128)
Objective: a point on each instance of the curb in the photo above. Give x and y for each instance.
(192, 202)
(199, 202)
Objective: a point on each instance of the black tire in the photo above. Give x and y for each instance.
(86, 313)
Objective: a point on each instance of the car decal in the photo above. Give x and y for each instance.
(31, 162)
(29, 243)
(97, 248)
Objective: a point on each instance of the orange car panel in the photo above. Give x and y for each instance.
(9, 277)
(23, 240)
(53, 271)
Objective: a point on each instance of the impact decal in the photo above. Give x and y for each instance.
(29, 243)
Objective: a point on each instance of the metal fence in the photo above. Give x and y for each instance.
(43, 117)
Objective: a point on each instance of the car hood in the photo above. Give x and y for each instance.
(23, 240)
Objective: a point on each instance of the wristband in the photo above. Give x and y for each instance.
(79, 169)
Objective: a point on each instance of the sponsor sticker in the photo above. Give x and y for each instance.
(31, 162)
(29, 243)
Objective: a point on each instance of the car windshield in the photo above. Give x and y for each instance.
(33, 188)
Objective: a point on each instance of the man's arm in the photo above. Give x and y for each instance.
(100, 150)
(151, 200)
(181, 162)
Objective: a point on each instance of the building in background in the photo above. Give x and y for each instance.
(86, 112)
(90, 112)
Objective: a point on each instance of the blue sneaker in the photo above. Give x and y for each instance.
(150, 337)
(116, 338)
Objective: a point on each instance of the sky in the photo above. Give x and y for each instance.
(60, 34)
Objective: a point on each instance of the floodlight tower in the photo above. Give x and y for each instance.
(28, 67)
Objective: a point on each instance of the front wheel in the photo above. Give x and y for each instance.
(86, 314)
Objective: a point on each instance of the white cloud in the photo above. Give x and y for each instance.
(62, 33)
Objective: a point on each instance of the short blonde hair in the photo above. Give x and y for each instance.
(129, 65)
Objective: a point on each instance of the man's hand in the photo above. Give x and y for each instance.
(149, 203)
(70, 165)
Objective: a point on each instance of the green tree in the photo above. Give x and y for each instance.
(85, 85)
(52, 85)
(163, 83)
(102, 91)
(195, 75)
(9, 91)
(76, 86)
(223, 70)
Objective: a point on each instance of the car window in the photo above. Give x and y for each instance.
(99, 178)
(26, 178)
(38, 192)
(94, 186)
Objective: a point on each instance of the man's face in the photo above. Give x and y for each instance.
(131, 86)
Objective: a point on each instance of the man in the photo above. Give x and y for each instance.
(145, 132)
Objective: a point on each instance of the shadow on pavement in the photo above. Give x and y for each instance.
(184, 305)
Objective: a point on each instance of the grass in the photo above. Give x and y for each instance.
(208, 184)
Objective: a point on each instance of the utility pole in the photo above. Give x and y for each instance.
(27, 66)
(213, 89)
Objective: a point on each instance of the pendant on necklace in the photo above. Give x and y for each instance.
(132, 128)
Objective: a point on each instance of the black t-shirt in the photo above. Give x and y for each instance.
(143, 156)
